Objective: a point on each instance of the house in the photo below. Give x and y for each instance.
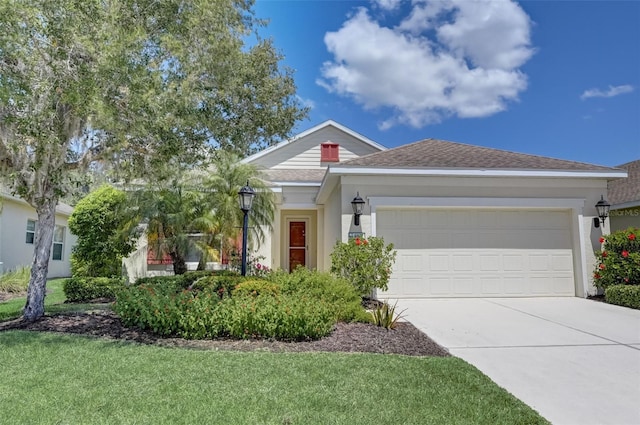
(466, 221)
(624, 197)
(18, 221)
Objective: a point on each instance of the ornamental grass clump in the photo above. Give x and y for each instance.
(365, 263)
(385, 315)
(619, 260)
(15, 281)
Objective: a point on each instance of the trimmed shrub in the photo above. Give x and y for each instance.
(624, 295)
(222, 285)
(104, 229)
(255, 287)
(286, 317)
(365, 263)
(324, 287)
(619, 259)
(79, 289)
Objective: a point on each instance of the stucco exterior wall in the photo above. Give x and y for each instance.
(15, 252)
(332, 226)
(588, 191)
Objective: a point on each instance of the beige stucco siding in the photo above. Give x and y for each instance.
(15, 252)
(586, 191)
(333, 215)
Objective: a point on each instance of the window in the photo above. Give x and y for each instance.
(31, 231)
(330, 152)
(58, 243)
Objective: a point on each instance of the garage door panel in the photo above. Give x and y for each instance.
(477, 253)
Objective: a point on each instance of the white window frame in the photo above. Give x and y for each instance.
(58, 242)
(31, 232)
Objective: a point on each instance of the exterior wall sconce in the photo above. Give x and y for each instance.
(603, 211)
(245, 198)
(358, 206)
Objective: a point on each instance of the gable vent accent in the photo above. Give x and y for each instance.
(329, 152)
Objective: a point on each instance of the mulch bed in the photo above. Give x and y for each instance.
(347, 337)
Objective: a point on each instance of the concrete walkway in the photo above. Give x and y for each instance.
(573, 360)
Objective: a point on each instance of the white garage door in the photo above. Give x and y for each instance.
(478, 253)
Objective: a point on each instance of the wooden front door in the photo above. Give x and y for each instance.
(297, 244)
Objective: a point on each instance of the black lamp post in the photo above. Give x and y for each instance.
(245, 198)
(603, 211)
(358, 206)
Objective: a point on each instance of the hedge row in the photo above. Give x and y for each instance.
(81, 289)
(624, 295)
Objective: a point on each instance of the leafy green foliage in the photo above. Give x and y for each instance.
(15, 280)
(337, 292)
(624, 295)
(365, 263)
(297, 306)
(79, 289)
(104, 230)
(221, 284)
(619, 259)
(385, 315)
(255, 287)
(128, 87)
(175, 282)
(284, 317)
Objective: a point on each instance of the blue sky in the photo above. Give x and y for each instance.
(552, 78)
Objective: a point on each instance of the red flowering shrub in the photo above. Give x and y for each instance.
(619, 260)
(365, 263)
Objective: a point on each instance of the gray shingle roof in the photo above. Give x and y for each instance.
(295, 175)
(627, 190)
(433, 153)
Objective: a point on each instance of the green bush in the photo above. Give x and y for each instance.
(104, 231)
(619, 260)
(15, 280)
(365, 263)
(222, 285)
(79, 289)
(624, 295)
(324, 287)
(255, 287)
(198, 315)
(179, 281)
(286, 317)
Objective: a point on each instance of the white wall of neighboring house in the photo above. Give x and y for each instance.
(14, 249)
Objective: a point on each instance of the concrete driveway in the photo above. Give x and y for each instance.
(573, 360)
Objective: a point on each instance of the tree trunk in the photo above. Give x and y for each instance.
(179, 264)
(34, 308)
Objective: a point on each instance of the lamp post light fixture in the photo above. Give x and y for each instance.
(245, 198)
(358, 206)
(603, 211)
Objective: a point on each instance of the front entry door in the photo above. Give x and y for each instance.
(297, 244)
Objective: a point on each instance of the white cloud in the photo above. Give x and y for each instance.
(613, 91)
(450, 57)
(307, 103)
(387, 4)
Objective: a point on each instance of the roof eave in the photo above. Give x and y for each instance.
(476, 172)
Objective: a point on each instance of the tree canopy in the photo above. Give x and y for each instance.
(132, 83)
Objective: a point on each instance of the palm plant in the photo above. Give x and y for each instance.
(222, 187)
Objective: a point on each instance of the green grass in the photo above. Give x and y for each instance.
(53, 303)
(59, 379)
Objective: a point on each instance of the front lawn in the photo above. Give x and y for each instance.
(54, 302)
(51, 378)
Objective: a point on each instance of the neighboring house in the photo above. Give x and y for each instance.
(18, 221)
(466, 221)
(624, 197)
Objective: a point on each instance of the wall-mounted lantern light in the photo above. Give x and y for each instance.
(245, 198)
(603, 211)
(358, 206)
